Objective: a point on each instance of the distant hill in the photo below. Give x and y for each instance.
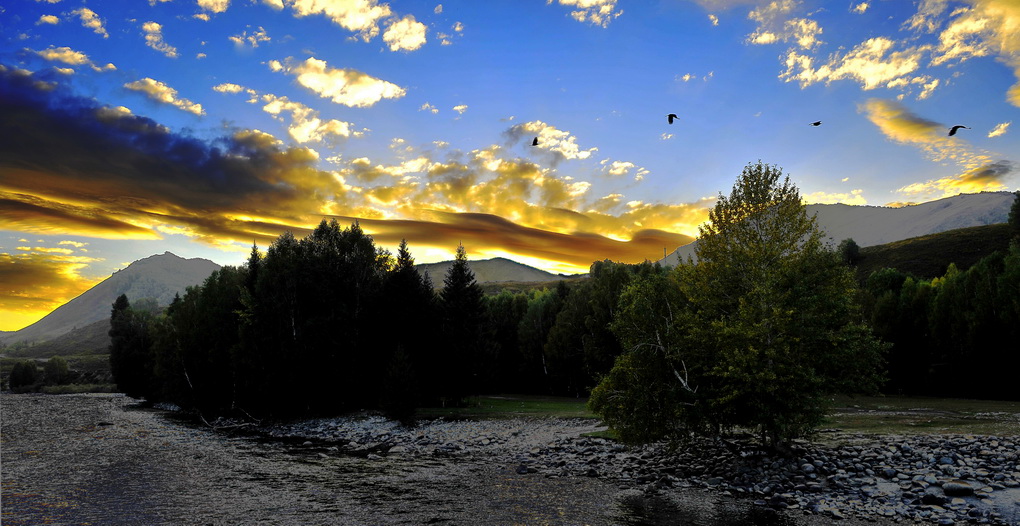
(496, 270)
(877, 225)
(159, 277)
(929, 256)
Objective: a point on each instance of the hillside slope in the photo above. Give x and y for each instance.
(876, 225)
(490, 271)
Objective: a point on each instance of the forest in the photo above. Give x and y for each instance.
(331, 323)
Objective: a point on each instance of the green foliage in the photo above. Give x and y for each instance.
(56, 371)
(759, 331)
(24, 376)
(948, 334)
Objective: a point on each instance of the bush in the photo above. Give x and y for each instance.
(24, 376)
(56, 371)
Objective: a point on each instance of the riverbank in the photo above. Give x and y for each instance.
(100, 459)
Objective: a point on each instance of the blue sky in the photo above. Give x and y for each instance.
(199, 127)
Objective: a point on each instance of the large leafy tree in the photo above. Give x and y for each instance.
(766, 324)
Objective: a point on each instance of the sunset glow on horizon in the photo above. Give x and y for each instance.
(199, 127)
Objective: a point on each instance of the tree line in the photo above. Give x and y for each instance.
(332, 323)
(755, 333)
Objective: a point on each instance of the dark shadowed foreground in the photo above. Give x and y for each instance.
(99, 459)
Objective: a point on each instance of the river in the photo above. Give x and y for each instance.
(102, 459)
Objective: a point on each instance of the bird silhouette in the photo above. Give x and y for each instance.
(952, 131)
(816, 123)
(535, 142)
(670, 117)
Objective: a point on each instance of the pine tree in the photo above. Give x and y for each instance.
(464, 347)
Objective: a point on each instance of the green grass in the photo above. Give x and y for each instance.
(920, 415)
(513, 406)
(79, 388)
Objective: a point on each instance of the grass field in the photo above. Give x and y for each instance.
(918, 415)
(870, 415)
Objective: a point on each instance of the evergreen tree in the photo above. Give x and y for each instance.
(465, 348)
(131, 349)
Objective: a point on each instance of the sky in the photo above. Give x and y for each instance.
(131, 128)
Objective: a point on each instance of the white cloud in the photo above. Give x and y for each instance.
(216, 6)
(860, 8)
(343, 86)
(47, 19)
(559, 142)
(91, 20)
(873, 63)
(1000, 129)
(429, 108)
(595, 12)
(254, 39)
(406, 34)
(359, 16)
(854, 197)
(714, 19)
(460, 108)
(154, 39)
(775, 24)
(160, 92)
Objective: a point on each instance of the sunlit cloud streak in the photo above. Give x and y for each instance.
(160, 92)
(71, 57)
(981, 172)
(248, 185)
(37, 281)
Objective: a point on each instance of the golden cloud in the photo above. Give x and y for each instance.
(986, 178)
(160, 92)
(32, 284)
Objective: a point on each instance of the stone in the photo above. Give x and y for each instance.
(957, 488)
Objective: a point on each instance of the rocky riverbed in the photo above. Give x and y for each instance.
(88, 459)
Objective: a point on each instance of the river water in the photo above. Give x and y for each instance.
(101, 459)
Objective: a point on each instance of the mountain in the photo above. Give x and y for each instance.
(159, 277)
(493, 270)
(878, 225)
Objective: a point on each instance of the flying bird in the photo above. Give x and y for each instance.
(816, 123)
(535, 142)
(952, 131)
(670, 117)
